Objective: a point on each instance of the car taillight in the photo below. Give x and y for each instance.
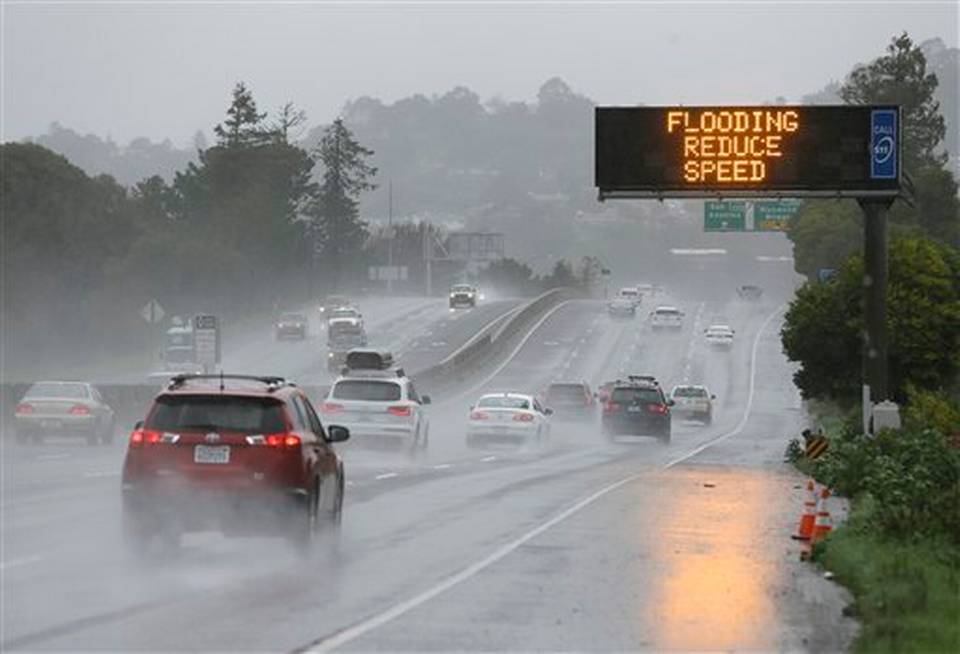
(611, 407)
(283, 440)
(80, 410)
(401, 411)
(478, 415)
(331, 407)
(24, 409)
(523, 417)
(145, 437)
(660, 409)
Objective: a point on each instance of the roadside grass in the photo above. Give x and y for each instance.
(907, 593)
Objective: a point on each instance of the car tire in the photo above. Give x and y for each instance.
(303, 528)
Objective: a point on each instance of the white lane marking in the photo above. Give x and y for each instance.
(746, 412)
(13, 563)
(442, 466)
(488, 459)
(351, 483)
(370, 624)
(397, 610)
(386, 475)
(101, 473)
(52, 457)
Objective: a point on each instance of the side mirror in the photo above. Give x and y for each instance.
(425, 399)
(713, 397)
(337, 434)
(671, 403)
(548, 412)
(138, 425)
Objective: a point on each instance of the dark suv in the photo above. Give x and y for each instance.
(637, 407)
(242, 455)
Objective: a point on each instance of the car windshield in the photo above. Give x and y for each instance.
(629, 293)
(345, 313)
(502, 402)
(668, 312)
(366, 389)
(635, 396)
(566, 393)
(462, 289)
(689, 391)
(248, 415)
(292, 317)
(70, 390)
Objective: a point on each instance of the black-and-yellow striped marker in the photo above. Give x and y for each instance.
(816, 447)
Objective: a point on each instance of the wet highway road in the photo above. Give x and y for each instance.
(582, 544)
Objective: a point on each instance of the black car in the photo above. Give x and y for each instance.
(292, 325)
(637, 407)
(750, 292)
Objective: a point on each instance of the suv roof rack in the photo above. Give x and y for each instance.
(271, 382)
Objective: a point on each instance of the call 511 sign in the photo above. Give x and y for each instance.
(768, 151)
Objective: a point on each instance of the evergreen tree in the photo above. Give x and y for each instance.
(339, 234)
(243, 126)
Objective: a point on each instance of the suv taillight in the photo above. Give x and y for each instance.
(283, 440)
(79, 410)
(660, 409)
(401, 411)
(523, 417)
(478, 415)
(611, 407)
(24, 409)
(144, 437)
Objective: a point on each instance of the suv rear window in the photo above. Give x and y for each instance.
(668, 312)
(249, 415)
(566, 392)
(635, 396)
(503, 403)
(364, 389)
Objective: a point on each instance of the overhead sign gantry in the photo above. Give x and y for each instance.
(774, 151)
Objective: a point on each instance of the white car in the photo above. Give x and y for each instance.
(507, 417)
(630, 294)
(666, 317)
(349, 315)
(693, 401)
(378, 403)
(621, 307)
(719, 336)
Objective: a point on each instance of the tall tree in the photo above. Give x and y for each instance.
(900, 77)
(243, 126)
(339, 233)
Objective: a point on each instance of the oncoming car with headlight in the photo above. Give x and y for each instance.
(463, 295)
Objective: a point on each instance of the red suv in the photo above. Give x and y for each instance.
(242, 455)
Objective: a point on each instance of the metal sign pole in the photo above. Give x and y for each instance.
(875, 298)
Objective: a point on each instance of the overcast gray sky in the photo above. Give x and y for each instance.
(166, 70)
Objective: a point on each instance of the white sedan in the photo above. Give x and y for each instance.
(720, 336)
(507, 418)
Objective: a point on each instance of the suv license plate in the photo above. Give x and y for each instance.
(211, 454)
(50, 424)
(634, 409)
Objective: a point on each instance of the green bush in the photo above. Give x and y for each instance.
(912, 476)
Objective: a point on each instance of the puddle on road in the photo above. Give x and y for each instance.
(715, 534)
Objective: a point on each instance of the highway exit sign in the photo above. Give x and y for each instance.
(760, 216)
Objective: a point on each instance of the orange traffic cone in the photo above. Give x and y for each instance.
(823, 522)
(807, 519)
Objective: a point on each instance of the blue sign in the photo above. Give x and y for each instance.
(883, 144)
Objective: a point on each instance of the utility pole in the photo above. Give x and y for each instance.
(390, 238)
(875, 375)
(427, 257)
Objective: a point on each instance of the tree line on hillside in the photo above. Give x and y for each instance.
(824, 325)
(254, 220)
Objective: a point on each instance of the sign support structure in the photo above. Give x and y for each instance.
(875, 297)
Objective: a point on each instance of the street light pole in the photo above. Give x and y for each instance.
(390, 238)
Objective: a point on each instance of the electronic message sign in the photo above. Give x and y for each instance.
(767, 151)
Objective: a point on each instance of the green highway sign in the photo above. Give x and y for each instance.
(724, 216)
(760, 216)
(773, 216)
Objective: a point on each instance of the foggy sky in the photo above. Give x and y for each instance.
(164, 71)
